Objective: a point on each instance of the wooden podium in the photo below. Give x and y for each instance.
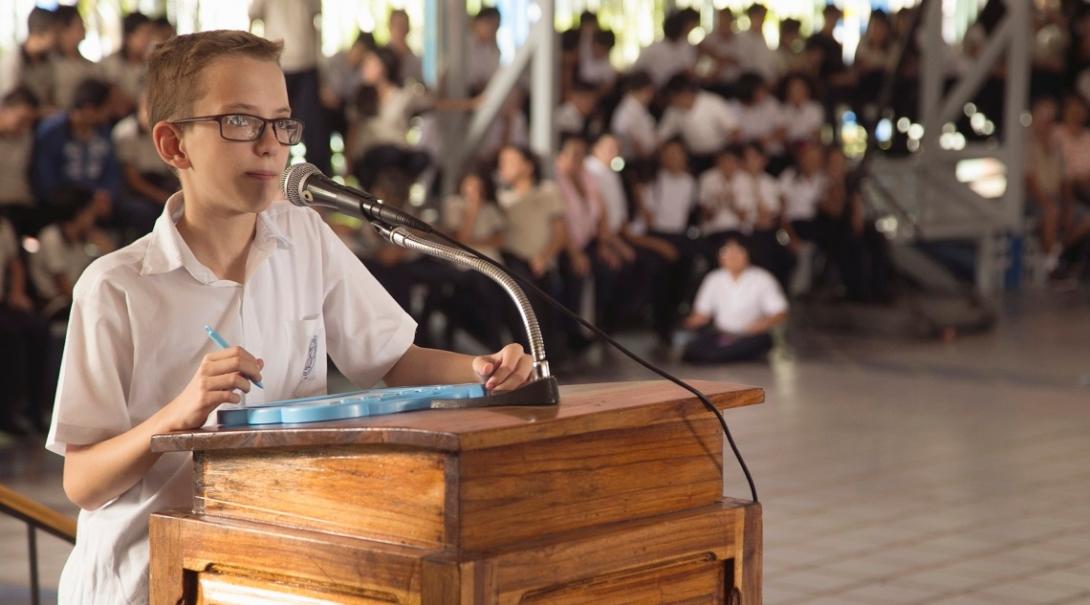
(614, 496)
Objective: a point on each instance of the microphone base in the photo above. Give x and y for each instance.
(541, 392)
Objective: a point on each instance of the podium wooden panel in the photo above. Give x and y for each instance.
(614, 496)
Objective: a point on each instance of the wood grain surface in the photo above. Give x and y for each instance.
(582, 409)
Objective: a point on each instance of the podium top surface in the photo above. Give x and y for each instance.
(583, 408)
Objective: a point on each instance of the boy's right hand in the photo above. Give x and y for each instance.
(221, 373)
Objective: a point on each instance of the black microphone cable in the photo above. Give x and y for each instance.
(601, 334)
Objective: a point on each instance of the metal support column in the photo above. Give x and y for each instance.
(1020, 18)
(453, 47)
(544, 78)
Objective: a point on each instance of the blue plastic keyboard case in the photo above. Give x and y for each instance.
(359, 404)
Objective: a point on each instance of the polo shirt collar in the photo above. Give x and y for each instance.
(167, 250)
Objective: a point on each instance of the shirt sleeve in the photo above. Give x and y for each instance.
(367, 332)
(772, 299)
(706, 190)
(52, 251)
(705, 296)
(670, 125)
(96, 369)
(725, 115)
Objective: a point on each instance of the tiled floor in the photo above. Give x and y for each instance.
(890, 472)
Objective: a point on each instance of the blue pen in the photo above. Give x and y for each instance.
(216, 338)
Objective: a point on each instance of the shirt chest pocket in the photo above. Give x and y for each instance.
(305, 353)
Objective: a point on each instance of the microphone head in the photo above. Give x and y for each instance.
(294, 178)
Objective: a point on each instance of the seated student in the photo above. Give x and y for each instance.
(126, 68)
(632, 122)
(723, 217)
(270, 276)
(535, 234)
(761, 120)
(25, 335)
(18, 110)
(673, 54)
(703, 120)
(474, 218)
(148, 182)
(594, 65)
(669, 202)
(805, 115)
(67, 247)
(70, 67)
(74, 147)
(585, 224)
(576, 113)
(735, 308)
(29, 65)
(759, 194)
(802, 190)
(621, 283)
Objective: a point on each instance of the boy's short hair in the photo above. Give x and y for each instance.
(391, 63)
(175, 67)
(604, 38)
(487, 12)
(681, 84)
(40, 20)
(91, 92)
(67, 15)
(20, 95)
(132, 22)
(530, 158)
(731, 150)
(638, 80)
(754, 147)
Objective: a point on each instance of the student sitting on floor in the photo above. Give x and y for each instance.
(736, 307)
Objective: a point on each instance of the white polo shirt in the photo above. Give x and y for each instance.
(611, 188)
(801, 194)
(706, 127)
(670, 200)
(135, 339)
(734, 304)
(634, 128)
(717, 197)
(753, 194)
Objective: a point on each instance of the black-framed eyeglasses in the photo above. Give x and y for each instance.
(244, 127)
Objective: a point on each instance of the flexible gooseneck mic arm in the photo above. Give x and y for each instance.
(401, 236)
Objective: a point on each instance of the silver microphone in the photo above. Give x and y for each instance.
(305, 185)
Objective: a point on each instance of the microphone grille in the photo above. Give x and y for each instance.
(291, 182)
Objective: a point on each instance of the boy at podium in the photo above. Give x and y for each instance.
(272, 278)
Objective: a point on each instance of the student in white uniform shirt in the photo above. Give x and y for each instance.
(67, 247)
(575, 114)
(756, 191)
(670, 200)
(25, 336)
(761, 120)
(632, 122)
(803, 116)
(754, 53)
(722, 48)
(735, 308)
(702, 119)
(271, 277)
(672, 55)
(723, 216)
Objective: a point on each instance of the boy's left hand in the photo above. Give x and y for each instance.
(505, 370)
